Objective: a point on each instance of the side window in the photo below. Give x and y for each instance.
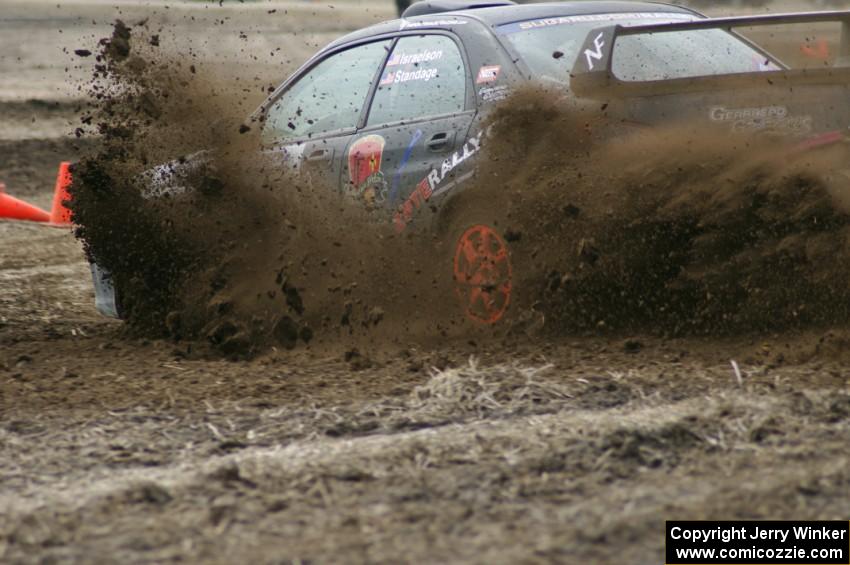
(424, 76)
(329, 97)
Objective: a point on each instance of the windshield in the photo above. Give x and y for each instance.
(550, 46)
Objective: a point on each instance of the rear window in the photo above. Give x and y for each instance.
(550, 46)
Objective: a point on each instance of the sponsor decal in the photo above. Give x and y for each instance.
(470, 148)
(407, 24)
(430, 186)
(417, 135)
(488, 73)
(721, 114)
(494, 93)
(364, 170)
(565, 20)
(420, 195)
(818, 49)
(397, 77)
(773, 118)
(400, 58)
(596, 52)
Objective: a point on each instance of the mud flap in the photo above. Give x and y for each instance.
(104, 292)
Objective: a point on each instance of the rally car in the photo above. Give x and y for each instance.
(391, 115)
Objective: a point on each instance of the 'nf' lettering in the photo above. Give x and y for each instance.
(597, 54)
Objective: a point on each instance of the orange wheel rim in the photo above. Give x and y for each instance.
(482, 274)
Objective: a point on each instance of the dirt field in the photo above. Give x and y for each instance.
(575, 449)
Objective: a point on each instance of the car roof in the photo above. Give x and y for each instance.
(499, 15)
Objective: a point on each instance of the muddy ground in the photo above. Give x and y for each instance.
(115, 447)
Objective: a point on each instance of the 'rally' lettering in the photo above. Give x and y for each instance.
(428, 186)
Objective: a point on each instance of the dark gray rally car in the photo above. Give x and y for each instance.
(392, 114)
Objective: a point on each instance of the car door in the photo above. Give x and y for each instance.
(415, 132)
(309, 124)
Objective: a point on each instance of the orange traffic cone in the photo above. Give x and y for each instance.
(60, 215)
(14, 209)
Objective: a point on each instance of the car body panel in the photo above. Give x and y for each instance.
(408, 143)
(390, 168)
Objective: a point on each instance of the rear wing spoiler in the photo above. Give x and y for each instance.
(592, 71)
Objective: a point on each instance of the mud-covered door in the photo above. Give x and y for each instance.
(310, 124)
(415, 138)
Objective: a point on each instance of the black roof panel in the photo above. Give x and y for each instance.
(506, 14)
(424, 7)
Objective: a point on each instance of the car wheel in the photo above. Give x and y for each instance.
(482, 273)
(487, 263)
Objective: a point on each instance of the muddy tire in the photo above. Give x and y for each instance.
(482, 274)
(484, 261)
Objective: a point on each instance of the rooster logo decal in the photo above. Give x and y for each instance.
(364, 170)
